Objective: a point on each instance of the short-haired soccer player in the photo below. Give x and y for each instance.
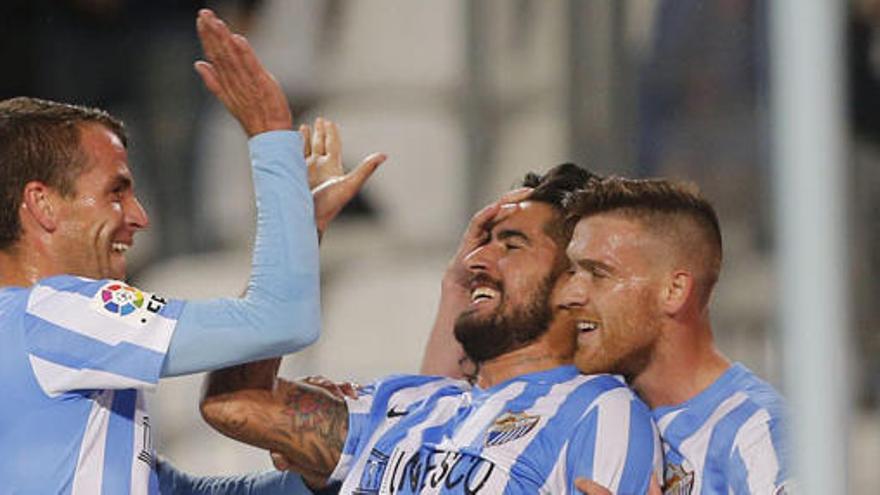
(79, 345)
(645, 256)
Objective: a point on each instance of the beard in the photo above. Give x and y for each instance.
(628, 348)
(503, 331)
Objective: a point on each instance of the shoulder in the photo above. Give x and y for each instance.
(760, 393)
(403, 390)
(76, 302)
(608, 391)
(416, 385)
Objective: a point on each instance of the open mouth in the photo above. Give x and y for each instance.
(587, 326)
(482, 294)
(119, 247)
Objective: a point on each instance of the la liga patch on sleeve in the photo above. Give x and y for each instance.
(130, 304)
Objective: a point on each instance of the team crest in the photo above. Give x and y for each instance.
(510, 426)
(678, 481)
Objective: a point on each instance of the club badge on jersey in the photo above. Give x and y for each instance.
(510, 426)
(678, 480)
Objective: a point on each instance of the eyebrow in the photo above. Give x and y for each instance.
(506, 234)
(588, 264)
(121, 180)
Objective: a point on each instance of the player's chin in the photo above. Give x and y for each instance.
(589, 361)
(117, 267)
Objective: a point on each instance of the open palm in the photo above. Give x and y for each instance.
(331, 187)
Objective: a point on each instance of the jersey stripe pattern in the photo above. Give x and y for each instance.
(729, 439)
(532, 434)
(77, 354)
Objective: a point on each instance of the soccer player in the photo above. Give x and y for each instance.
(80, 345)
(531, 425)
(645, 256)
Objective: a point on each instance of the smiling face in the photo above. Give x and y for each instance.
(511, 280)
(96, 225)
(612, 294)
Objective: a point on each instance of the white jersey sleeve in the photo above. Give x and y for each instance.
(83, 334)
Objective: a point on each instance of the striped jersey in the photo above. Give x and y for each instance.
(76, 355)
(532, 434)
(728, 439)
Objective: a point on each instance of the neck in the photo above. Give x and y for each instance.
(530, 359)
(685, 363)
(23, 266)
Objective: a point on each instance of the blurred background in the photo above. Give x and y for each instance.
(465, 97)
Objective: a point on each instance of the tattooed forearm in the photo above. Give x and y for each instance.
(305, 423)
(256, 375)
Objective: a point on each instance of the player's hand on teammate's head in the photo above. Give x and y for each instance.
(332, 188)
(234, 74)
(478, 233)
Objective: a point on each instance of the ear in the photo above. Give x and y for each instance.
(38, 203)
(678, 290)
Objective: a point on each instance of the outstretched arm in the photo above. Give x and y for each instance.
(305, 423)
(443, 354)
(280, 311)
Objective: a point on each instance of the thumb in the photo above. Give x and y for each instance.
(590, 487)
(279, 461)
(654, 486)
(362, 172)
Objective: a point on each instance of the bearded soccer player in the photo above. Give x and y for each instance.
(646, 255)
(79, 345)
(531, 425)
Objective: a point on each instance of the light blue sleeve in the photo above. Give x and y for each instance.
(174, 482)
(280, 311)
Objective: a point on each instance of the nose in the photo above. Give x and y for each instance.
(135, 215)
(573, 293)
(480, 259)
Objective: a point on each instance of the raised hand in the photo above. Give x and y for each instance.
(331, 187)
(234, 74)
(478, 232)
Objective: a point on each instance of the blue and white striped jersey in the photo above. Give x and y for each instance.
(729, 439)
(75, 356)
(532, 434)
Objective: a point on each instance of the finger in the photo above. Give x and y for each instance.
(480, 220)
(209, 77)
(306, 132)
(362, 172)
(516, 195)
(333, 144)
(318, 137)
(504, 211)
(279, 461)
(349, 389)
(211, 34)
(654, 486)
(590, 487)
(318, 381)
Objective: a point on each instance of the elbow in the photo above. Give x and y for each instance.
(219, 412)
(293, 333)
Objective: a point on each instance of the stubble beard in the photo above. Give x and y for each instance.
(628, 350)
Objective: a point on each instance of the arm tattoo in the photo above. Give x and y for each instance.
(305, 423)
